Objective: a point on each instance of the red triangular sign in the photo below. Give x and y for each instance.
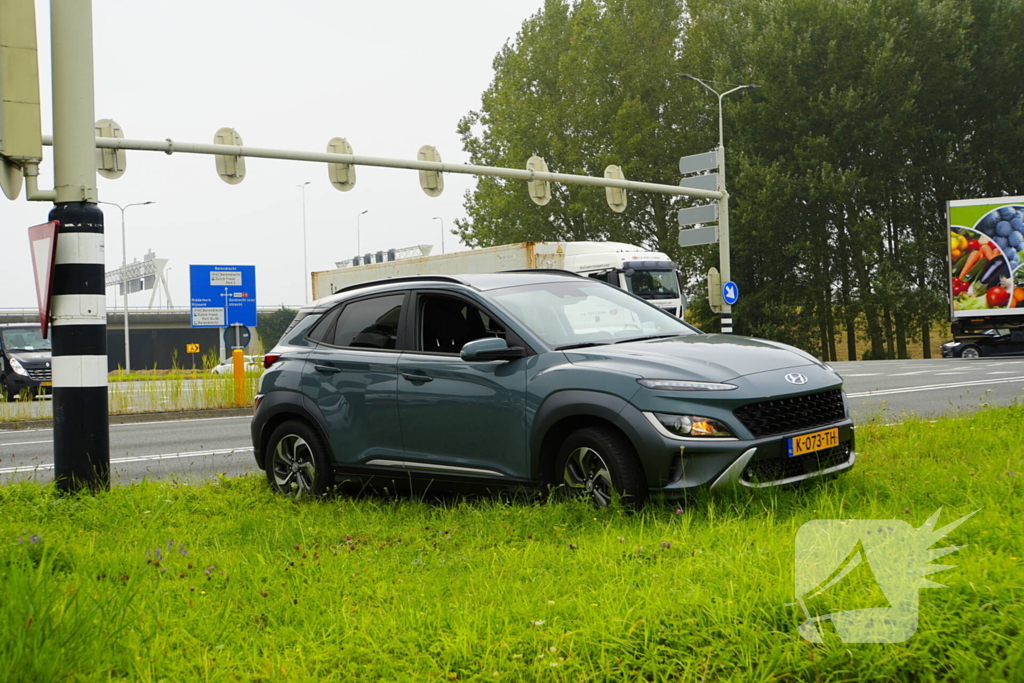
(43, 240)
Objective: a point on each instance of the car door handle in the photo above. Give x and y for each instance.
(327, 369)
(415, 377)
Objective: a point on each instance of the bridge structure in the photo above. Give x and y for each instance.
(160, 337)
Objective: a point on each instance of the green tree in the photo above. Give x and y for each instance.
(272, 325)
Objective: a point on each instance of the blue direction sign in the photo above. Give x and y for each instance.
(730, 292)
(223, 295)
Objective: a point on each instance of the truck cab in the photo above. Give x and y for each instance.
(649, 275)
(25, 360)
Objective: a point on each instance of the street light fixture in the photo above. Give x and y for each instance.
(438, 218)
(305, 252)
(359, 247)
(723, 205)
(124, 282)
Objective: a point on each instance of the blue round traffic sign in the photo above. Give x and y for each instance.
(730, 292)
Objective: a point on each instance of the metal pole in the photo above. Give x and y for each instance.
(305, 252)
(438, 218)
(171, 147)
(167, 279)
(124, 282)
(359, 247)
(81, 432)
(724, 264)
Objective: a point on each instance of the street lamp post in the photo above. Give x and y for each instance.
(723, 204)
(167, 279)
(438, 218)
(124, 282)
(359, 246)
(305, 252)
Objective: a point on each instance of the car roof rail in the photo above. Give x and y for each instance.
(546, 271)
(401, 279)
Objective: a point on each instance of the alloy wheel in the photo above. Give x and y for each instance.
(587, 473)
(294, 467)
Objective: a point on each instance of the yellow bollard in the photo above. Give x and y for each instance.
(238, 363)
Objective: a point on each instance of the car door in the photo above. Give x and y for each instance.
(458, 417)
(352, 376)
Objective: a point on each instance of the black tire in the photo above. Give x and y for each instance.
(597, 462)
(970, 351)
(296, 462)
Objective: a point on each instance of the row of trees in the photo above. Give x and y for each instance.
(870, 116)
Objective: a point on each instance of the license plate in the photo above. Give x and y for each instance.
(46, 384)
(809, 443)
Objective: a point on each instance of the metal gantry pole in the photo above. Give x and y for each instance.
(81, 436)
(724, 259)
(124, 281)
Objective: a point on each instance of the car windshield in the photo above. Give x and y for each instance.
(25, 339)
(653, 284)
(567, 314)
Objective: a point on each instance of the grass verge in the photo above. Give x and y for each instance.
(227, 581)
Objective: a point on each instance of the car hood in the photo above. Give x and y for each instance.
(32, 359)
(706, 357)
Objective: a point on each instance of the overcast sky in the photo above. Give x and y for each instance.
(388, 76)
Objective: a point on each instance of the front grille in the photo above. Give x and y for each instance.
(792, 414)
(776, 469)
(40, 374)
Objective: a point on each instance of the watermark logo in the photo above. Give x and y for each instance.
(863, 576)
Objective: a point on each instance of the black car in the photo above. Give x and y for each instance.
(1002, 342)
(24, 361)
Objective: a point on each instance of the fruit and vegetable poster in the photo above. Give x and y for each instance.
(986, 247)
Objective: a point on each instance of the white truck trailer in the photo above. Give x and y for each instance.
(647, 274)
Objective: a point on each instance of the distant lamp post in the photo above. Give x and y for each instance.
(723, 205)
(167, 279)
(305, 252)
(359, 246)
(124, 282)
(438, 218)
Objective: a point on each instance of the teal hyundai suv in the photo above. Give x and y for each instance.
(538, 380)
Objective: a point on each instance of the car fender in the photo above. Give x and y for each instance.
(278, 403)
(608, 408)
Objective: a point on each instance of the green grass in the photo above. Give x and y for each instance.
(381, 587)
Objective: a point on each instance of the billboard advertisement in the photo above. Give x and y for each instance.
(986, 248)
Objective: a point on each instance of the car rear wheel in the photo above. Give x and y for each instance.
(598, 463)
(970, 352)
(297, 464)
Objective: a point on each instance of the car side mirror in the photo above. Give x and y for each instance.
(488, 349)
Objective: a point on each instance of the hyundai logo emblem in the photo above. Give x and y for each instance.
(796, 378)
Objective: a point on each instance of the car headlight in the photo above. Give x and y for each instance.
(684, 385)
(692, 425)
(18, 367)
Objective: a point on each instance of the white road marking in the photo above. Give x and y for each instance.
(934, 387)
(915, 372)
(135, 458)
(23, 443)
(952, 373)
(1002, 372)
(860, 374)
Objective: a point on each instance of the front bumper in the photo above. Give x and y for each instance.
(755, 463)
(15, 384)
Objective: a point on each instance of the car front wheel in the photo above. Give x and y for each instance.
(297, 464)
(970, 352)
(598, 463)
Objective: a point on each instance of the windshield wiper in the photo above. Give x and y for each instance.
(648, 337)
(582, 345)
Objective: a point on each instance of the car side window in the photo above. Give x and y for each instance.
(323, 331)
(370, 323)
(447, 323)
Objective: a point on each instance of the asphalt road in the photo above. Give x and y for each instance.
(199, 450)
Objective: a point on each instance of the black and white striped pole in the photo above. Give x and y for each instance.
(81, 434)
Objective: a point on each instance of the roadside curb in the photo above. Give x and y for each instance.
(129, 418)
